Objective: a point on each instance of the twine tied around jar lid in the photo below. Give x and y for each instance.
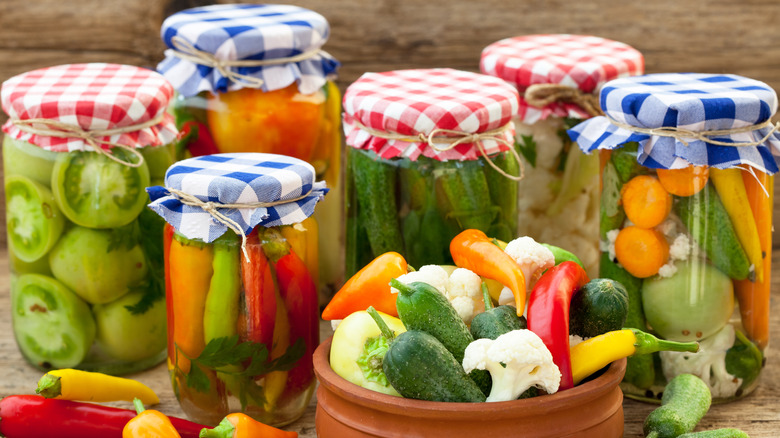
(452, 138)
(541, 95)
(56, 128)
(682, 133)
(185, 50)
(212, 208)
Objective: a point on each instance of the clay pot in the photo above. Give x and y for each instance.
(345, 410)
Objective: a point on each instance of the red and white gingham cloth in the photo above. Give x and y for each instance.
(94, 97)
(583, 62)
(410, 102)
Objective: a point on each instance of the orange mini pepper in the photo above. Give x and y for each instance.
(474, 250)
(149, 424)
(369, 287)
(240, 425)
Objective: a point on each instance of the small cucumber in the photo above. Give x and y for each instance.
(503, 192)
(466, 187)
(611, 212)
(706, 219)
(685, 401)
(599, 307)
(418, 366)
(495, 321)
(625, 161)
(717, 433)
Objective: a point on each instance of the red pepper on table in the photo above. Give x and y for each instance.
(33, 416)
(299, 293)
(548, 312)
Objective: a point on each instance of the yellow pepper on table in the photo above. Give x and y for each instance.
(69, 384)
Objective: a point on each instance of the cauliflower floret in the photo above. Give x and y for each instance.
(667, 270)
(709, 363)
(575, 339)
(532, 257)
(611, 238)
(680, 248)
(434, 275)
(516, 361)
(462, 288)
(548, 142)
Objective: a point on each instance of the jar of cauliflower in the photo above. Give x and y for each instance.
(686, 221)
(557, 76)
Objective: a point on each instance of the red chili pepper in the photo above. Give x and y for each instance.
(168, 232)
(259, 291)
(33, 416)
(548, 312)
(299, 293)
(198, 138)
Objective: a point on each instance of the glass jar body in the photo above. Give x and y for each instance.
(693, 248)
(242, 327)
(285, 122)
(416, 207)
(87, 282)
(558, 198)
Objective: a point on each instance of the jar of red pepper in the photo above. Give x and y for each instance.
(254, 78)
(687, 176)
(242, 303)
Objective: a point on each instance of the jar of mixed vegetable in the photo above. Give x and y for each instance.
(240, 259)
(557, 76)
(81, 144)
(687, 177)
(254, 78)
(431, 155)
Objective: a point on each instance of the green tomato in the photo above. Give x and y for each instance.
(97, 192)
(158, 159)
(127, 336)
(26, 159)
(19, 266)
(53, 326)
(693, 304)
(92, 264)
(34, 222)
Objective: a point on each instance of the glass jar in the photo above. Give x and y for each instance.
(413, 190)
(557, 76)
(286, 104)
(687, 224)
(243, 318)
(87, 281)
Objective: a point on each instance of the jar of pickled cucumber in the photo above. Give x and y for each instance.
(254, 78)
(430, 155)
(687, 177)
(240, 259)
(81, 144)
(558, 77)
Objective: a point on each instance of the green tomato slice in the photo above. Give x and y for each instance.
(97, 192)
(34, 221)
(53, 327)
(26, 159)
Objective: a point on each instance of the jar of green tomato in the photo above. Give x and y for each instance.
(431, 155)
(686, 186)
(558, 77)
(240, 250)
(81, 144)
(254, 78)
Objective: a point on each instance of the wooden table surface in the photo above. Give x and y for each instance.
(758, 414)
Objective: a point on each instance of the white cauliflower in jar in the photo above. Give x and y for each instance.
(462, 288)
(680, 249)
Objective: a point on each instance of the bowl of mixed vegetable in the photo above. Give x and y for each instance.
(513, 338)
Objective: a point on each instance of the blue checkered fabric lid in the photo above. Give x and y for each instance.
(240, 178)
(247, 32)
(689, 104)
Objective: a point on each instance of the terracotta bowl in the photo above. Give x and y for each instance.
(344, 410)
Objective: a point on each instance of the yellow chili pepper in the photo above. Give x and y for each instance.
(733, 195)
(593, 354)
(69, 384)
(149, 424)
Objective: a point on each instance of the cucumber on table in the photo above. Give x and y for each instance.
(685, 401)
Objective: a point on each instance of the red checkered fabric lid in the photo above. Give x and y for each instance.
(90, 97)
(406, 113)
(577, 61)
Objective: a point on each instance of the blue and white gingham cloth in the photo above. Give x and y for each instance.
(238, 178)
(693, 101)
(246, 31)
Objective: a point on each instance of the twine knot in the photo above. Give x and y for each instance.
(541, 95)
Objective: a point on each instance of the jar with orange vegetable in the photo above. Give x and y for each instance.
(240, 249)
(254, 78)
(687, 171)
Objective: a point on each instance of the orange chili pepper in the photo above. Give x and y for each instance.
(240, 425)
(474, 250)
(369, 287)
(753, 297)
(149, 424)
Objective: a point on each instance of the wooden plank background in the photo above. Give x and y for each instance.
(376, 35)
